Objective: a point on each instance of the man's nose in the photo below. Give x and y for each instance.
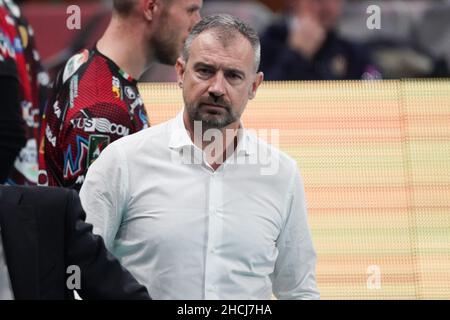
(197, 17)
(217, 87)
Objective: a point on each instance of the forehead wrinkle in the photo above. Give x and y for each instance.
(224, 56)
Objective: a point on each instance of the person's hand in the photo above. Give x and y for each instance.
(306, 34)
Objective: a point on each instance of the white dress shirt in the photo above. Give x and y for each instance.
(6, 292)
(189, 232)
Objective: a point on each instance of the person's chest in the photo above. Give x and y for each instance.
(194, 211)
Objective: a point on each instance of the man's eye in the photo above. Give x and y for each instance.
(192, 11)
(204, 72)
(234, 76)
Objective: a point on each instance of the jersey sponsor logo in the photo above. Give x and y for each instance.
(30, 115)
(86, 124)
(10, 20)
(80, 180)
(74, 64)
(101, 125)
(50, 137)
(30, 31)
(18, 45)
(143, 118)
(136, 103)
(130, 93)
(57, 109)
(6, 47)
(13, 8)
(24, 36)
(73, 92)
(42, 178)
(36, 55)
(116, 87)
(97, 143)
(43, 78)
(27, 161)
(105, 126)
(74, 165)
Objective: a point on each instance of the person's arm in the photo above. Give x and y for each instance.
(102, 276)
(295, 275)
(103, 194)
(12, 132)
(86, 134)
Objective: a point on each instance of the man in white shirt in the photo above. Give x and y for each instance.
(199, 207)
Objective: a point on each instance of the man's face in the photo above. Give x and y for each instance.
(327, 12)
(177, 19)
(218, 79)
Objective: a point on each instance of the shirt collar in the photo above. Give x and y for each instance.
(179, 137)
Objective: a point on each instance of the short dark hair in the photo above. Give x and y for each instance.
(226, 26)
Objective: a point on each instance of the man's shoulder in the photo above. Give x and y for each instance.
(152, 137)
(85, 74)
(89, 88)
(75, 65)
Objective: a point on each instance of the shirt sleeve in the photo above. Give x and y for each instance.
(103, 194)
(102, 275)
(294, 276)
(86, 135)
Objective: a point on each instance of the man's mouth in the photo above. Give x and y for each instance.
(213, 108)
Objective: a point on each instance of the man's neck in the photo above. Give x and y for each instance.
(124, 45)
(216, 151)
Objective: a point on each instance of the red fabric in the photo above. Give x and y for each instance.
(33, 82)
(95, 106)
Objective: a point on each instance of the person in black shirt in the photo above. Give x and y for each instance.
(305, 46)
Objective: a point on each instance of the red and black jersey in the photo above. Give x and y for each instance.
(8, 34)
(20, 58)
(93, 103)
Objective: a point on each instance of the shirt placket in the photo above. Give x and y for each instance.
(215, 229)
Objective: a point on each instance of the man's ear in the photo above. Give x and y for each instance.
(151, 8)
(255, 85)
(180, 67)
